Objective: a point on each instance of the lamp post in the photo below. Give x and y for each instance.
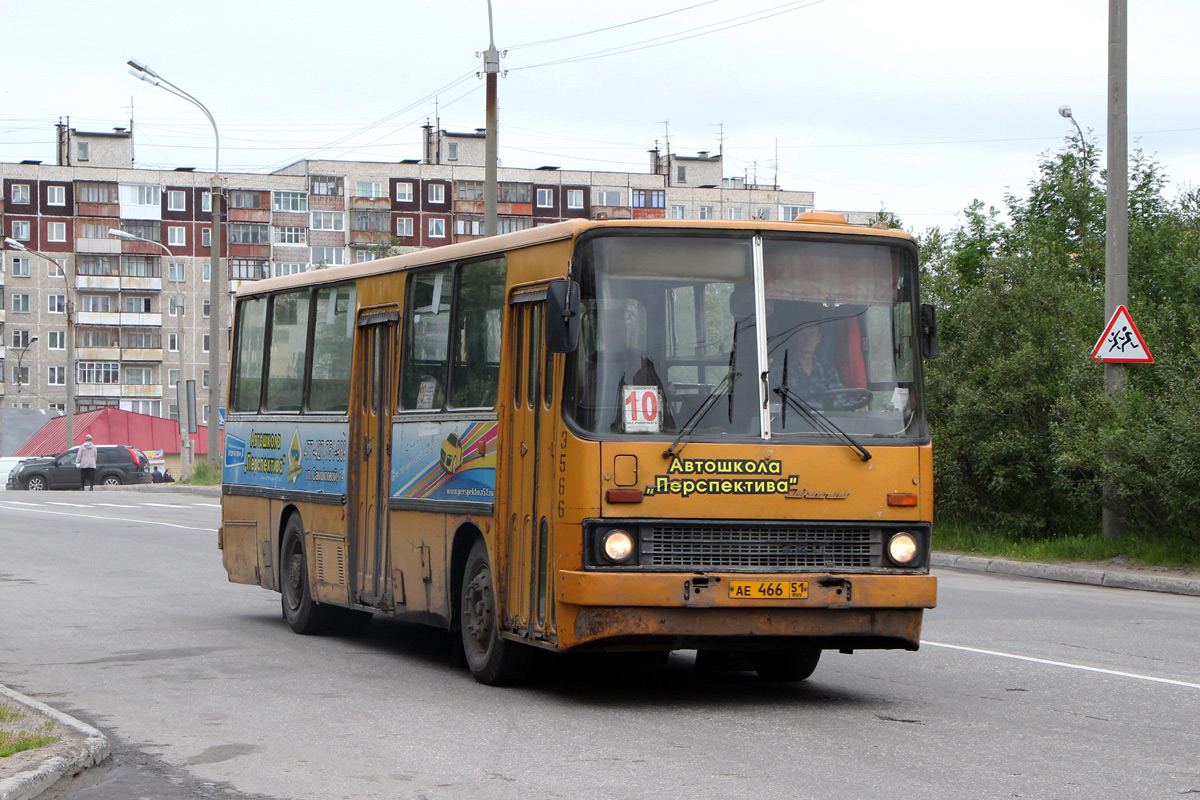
(20, 357)
(70, 311)
(185, 440)
(144, 73)
(1065, 112)
(491, 68)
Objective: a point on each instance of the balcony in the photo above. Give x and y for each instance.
(105, 245)
(97, 353)
(141, 320)
(107, 318)
(141, 284)
(141, 354)
(142, 391)
(110, 283)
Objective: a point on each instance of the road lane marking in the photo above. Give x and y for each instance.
(163, 505)
(1065, 664)
(112, 519)
(21, 503)
(72, 505)
(114, 505)
(208, 505)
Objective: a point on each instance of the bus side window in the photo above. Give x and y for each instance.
(333, 349)
(426, 340)
(478, 308)
(287, 351)
(247, 374)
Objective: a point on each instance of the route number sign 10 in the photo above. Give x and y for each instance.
(641, 407)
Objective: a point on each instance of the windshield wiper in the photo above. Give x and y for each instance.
(820, 421)
(704, 408)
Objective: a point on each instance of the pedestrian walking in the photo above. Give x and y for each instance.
(85, 459)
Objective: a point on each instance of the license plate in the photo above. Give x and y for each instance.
(768, 590)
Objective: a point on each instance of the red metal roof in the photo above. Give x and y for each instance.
(113, 426)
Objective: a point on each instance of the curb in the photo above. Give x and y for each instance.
(91, 750)
(1116, 579)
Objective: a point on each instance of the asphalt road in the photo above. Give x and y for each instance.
(114, 608)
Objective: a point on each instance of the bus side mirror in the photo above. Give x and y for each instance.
(929, 338)
(562, 316)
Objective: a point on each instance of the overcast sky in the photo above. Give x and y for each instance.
(916, 106)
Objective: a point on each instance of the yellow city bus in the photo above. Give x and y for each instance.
(611, 435)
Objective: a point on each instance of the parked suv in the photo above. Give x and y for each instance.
(115, 464)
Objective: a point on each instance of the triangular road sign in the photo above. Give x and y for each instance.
(1121, 343)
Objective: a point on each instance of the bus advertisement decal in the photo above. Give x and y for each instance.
(306, 457)
(446, 461)
(686, 477)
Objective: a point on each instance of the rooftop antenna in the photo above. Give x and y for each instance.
(720, 126)
(667, 138)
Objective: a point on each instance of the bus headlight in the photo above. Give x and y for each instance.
(617, 546)
(902, 549)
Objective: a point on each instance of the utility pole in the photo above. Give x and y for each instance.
(491, 69)
(1116, 240)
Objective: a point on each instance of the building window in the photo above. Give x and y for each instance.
(511, 224)
(789, 213)
(245, 200)
(96, 192)
(21, 375)
(328, 221)
(290, 201)
(143, 229)
(20, 339)
(608, 198)
(676, 211)
(56, 195)
(176, 271)
(368, 189)
(328, 256)
(56, 340)
(404, 226)
(649, 198)
(20, 230)
(173, 342)
(98, 372)
(97, 336)
(142, 195)
(177, 236)
(56, 304)
(404, 192)
(20, 267)
(55, 268)
(470, 190)
(734, 213)
(204, 349)
(681, 173)
(92, 230)
(437, 193)
(468, 226)
(437, 228)
(176, 200)
(545, 198)
(205, 305)
(140, 266)
(81, 150)
(575, 198)
(248, 269)
(96, 303)
(206, 202)
(248, 233)
(289, 268)
(326, 185)
(20, 303)
(151, 408)
(763, 213)
(20, 194)
(175, 307)
(206, 238)
(363, 256)
(452, 151)
(135, 304)
(137, 376)
(56, 376)
(290, 235)
(508, 192)
(206, 272)
(204, 385)
(369, 221)
(172, 377)
(706, 212)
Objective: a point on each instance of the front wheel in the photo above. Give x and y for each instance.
(780, 666)
(492, 660)
(299, 610)
(36, 483)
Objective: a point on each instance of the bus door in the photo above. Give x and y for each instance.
(529, 590)
(370, 448)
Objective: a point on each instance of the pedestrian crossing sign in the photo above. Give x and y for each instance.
(1121, 343)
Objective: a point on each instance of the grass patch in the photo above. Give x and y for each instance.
(204, 473)
(20, 730)
(975, 539)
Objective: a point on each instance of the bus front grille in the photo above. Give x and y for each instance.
(760, 547)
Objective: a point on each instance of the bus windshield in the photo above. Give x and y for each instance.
(745, 337)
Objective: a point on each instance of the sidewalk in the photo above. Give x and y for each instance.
(25, 775)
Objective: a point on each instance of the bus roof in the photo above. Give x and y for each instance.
(815, 222)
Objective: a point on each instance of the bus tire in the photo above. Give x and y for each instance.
(492, 660)
(784, 666)
(305, 616)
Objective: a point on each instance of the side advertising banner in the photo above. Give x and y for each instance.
(304, 456)
(445, 461)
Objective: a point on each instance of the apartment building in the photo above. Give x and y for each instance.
(142, 312)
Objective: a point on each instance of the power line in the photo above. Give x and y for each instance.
(610, 27)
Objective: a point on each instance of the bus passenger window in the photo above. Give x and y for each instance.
(426, 340)
(247, 376)
(333, 350)
(288, 351)
(478, 308)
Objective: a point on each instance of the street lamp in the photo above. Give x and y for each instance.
(144, 73)
(70, 309)
(185, 440)
(491, 68)
(1065, 112)
(20, 357)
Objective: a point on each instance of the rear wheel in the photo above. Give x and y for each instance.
(304, 615)
(111, 480)
(35, 483)
(780, 666)
(492, 660)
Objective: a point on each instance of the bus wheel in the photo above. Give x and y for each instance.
(779, 666)
(492, 660)
(299, 610)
